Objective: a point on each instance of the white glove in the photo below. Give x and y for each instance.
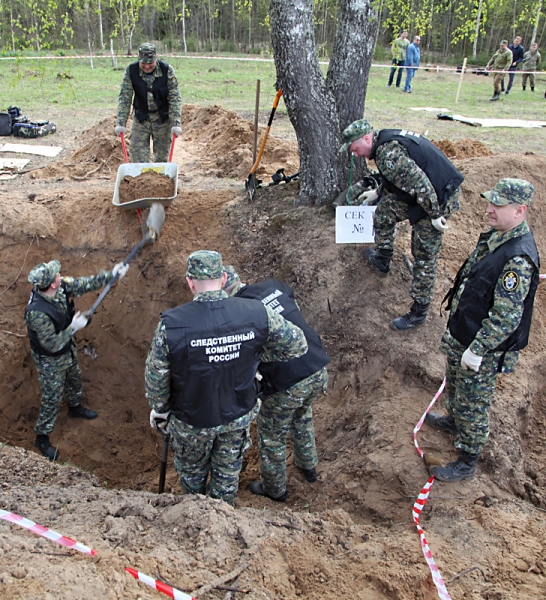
(368, 197)
(440, 223)
(160, 421)
(79, 321)
(120, 129)
(176, 131)
(120, 270)
(469, 360)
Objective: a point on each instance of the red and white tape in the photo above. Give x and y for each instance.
(159, 585)
(45, 532)
(420, 504)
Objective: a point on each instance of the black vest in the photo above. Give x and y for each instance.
(214, 351)
(444, 177)
(477, 297)
(280, 376)
(160, 92)
(61, 320)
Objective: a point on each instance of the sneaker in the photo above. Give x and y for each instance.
(310, 475)
(80, 412)
(257, 488)
(44, 446)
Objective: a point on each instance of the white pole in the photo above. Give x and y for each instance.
(460, 81)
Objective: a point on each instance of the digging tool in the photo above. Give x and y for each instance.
(154, 222)
(250, 182)
(163, 468)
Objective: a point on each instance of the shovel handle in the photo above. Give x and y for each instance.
(163, 467)
(172, 148)
(124, 147)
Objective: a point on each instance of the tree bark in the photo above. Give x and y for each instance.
(319, 108)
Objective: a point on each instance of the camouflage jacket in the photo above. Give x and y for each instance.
(284, 342)
(398, 48)
(500, 61)
(394, 163)
(507, 309)
(531, 60)
(125, 98)
(42, 323)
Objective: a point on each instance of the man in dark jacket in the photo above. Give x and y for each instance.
(491, 306)
(518, 54)
(289, 389)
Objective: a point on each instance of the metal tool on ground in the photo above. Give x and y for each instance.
(164, 452)
(250, 182)
(154, 224)
(281, 177)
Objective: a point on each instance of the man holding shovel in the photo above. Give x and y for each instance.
(150, 85)
(51, 322)
(200, 376)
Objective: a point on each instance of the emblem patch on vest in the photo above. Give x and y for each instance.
(510, 281)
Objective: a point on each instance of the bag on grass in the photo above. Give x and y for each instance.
(34, 129)
(5, 124)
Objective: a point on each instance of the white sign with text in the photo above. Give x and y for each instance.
(354, 224)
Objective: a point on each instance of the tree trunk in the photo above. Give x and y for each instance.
(535, 28)
(477, 33)
(320, 109)
(101, 34)
(184, 26)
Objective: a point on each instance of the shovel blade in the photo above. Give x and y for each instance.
(250, 186)
(155, 220)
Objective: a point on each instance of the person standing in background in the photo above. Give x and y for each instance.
(398, 50)
(413, 58)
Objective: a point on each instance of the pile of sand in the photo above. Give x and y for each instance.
(461, 149)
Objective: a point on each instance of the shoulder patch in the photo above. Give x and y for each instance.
(510, 281)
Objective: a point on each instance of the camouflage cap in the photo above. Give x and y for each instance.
(354, 132)
(42, 275)
(504, 43)
(147, 53)
(232, 276)
(510, 191)
(204, 264)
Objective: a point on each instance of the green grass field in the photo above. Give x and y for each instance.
(42, 87)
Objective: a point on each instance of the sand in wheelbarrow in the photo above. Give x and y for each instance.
(146, 185)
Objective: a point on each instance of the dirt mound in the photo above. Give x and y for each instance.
(149, 184)
(461, 149)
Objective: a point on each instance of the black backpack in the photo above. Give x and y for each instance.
(5, 124)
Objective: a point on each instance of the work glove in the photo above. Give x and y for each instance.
(120, 270)
(120, 129)
(440, 223)
(469, 360)
(368, 197)
(160, 421)
(79, 321)
(176, 131)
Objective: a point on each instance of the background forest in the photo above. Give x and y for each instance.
(450, 29)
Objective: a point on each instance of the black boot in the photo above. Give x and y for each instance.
(532, 89)
(44, 446)
(380, 260)
(80, 412)
(524, 87)
(309, 474)
(443, 422)
(256, 487)
(416, 316)
(495, 97)
(463, 468)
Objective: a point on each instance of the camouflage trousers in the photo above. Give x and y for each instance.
(469, 399)
(217, 451)
(142, 133)
(530, 76)
(426, 241)
(57, 374)
(288, 413)
(497, 82)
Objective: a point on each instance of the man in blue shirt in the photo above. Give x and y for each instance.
(413, 58)
(518, 53)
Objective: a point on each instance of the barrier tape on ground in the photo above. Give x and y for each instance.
(159, 585)
(420, 504)
(45, 532)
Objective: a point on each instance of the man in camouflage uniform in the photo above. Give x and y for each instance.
(530, 64)
(200, 376)
(151, 86)
(419, 184)
(491, 306)
(289, 391)
(500, 61)
(398, 51)
(51, 322)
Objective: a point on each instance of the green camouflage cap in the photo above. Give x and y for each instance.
(504, 43)
(204, 264)
(42, 275)
(354, 132)
(510, 191)
(146, 53)
(232, 276)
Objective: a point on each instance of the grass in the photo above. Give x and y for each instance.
(34, 86)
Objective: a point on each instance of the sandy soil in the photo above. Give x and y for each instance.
(350, 534)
